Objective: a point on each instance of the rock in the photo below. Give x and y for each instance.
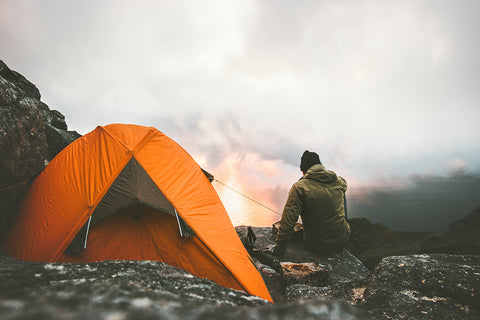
(308, 273)
(25, 87)
(23, 148)
(371, 242)
(30, 135)
(263, 235)
(107, 286)
(58, 139)
(347, 280)
(436, 286)
(350, 292)
(137, 290)
(343, 268)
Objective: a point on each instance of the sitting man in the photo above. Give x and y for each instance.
(319, 198)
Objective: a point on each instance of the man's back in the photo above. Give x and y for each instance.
(319, 198)
(323, 210)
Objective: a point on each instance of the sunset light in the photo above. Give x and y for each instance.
(252, 190)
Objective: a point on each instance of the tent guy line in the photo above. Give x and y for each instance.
(13, 186)
(244, 195)
(240, 193)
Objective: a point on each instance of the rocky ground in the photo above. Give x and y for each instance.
(421, 286)
(429, 286)
(137, 290)
(383, 274)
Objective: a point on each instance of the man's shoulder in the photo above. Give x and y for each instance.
(301, 185)
(342, 180)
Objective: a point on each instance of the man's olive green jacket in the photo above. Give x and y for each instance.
(319, 198)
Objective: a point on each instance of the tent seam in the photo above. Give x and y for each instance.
(241, 282)
(91, 207)
(138, 146)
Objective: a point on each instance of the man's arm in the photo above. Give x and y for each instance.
(293, 208)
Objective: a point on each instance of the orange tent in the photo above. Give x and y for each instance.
(124, 192)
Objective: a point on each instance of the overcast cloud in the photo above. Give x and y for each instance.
(380, 89)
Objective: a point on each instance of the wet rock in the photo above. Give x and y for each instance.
(436, 286)
(30, 135)
(137, 290)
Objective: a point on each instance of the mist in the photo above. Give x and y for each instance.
(385, 92)
(422, 203)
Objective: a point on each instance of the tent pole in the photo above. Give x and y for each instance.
(86, 234)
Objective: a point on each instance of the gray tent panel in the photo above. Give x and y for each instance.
(132, 186)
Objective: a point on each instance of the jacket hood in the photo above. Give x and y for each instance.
(319, 173)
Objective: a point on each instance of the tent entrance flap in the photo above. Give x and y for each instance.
(132, 187)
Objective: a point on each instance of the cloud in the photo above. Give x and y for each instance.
(378, 89)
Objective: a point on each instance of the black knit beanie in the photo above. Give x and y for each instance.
(309, 159)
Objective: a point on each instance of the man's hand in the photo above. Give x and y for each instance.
(276, 250)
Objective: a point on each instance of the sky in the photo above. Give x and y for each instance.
(384, 91)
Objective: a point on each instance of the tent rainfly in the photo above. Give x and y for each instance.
(128, 192)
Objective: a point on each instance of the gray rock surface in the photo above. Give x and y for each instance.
(30, 135)
(436, 286)
(137, 290)
(427, 286)
(350, 292)
(346, 274)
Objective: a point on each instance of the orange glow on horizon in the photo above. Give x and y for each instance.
(252, 192)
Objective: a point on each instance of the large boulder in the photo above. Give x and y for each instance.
(347, 280)
(333, 276)
(436, 286)
(30, 135)
(137, 290)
